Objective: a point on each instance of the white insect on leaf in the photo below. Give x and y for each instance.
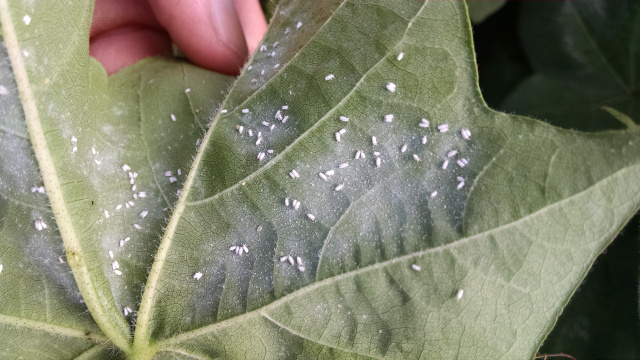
(400, 56)
(443, 128)
(329, 77)
(197, 276)
(466, 134)
(173, 117)
(391, 87)
(26, 19)
(415, 267)
(344, 118)
(459, 294)
(388, 118)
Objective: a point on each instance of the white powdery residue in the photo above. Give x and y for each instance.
(388, 118)
(173, 117)
(144, 214)
(329, 77)
(26, 19)
(3, 90)
(391, 87)
(400, 56)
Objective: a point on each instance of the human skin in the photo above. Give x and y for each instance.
(217, 35)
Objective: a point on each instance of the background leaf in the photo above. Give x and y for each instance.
(584, 54)
(480, 10)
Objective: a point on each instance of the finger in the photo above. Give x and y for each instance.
(125, 31)
(208, 32)
(254, 24)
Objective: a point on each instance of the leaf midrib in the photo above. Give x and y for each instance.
(258, 312)
(52, 184)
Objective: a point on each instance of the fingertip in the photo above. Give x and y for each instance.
(209, 33)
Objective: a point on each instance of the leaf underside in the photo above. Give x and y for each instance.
(538, 203)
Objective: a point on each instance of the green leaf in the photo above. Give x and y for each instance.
(584, 54)
(538, 205)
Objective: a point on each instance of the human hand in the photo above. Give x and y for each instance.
(214, 34)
